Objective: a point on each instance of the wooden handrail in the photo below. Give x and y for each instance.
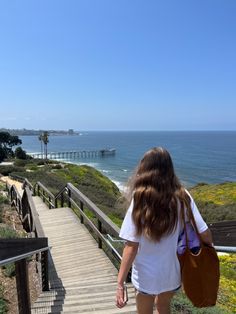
(36, 224)
(106, 221)
(44, 188)
(50, 199)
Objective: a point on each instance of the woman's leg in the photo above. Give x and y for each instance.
(162, 302)
(144, 303)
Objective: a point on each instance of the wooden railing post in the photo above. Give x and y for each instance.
(22, 284)
(44, 270)
(82, 208)
(69, 196)
(62, 200)
(100, 230)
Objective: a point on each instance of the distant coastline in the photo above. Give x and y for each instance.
(198, 156)
(31, 132)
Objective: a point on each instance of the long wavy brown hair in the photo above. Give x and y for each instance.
(157, 193)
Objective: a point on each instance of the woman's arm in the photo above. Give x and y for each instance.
(206, 237)
(129, 253)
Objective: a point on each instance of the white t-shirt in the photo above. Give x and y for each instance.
(156, 267)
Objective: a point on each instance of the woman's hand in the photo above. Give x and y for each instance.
(129, 253)
(120, 296)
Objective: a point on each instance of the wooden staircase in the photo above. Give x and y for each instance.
(82, 278)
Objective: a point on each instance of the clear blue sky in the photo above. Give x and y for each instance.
(118, 64)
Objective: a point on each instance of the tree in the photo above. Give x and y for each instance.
(20, 153)
(7, 141)
(2, 154)
(45, 140)
(41, 142)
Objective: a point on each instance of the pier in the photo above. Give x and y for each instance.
(76, 154)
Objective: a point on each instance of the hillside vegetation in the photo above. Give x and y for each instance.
(217, 202)
(54, 175)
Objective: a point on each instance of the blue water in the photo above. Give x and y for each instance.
(208, 157)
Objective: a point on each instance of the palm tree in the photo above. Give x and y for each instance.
(45, 140)
(41, 142)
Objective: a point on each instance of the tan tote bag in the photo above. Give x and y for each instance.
(200, 272)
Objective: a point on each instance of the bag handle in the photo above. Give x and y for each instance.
(193, 222)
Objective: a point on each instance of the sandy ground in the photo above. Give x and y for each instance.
(17, 184)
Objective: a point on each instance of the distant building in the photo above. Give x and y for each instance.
(71, 132)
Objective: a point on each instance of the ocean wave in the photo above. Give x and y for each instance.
(106, 171)
(121, 186)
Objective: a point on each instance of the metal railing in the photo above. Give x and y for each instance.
(225, 249)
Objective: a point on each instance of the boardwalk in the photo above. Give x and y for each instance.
(82, 278)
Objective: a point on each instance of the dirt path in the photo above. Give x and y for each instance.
(10, 181)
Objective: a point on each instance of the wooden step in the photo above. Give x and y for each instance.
(82, 278)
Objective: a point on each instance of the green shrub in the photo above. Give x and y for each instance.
(181, 305)
(20, 153)
(9, 270)
(6, 170)
(39, 162)
(1, 214)
(58, 166)
(2, 186)
(32, 167)
(7, 232)
(3, 199)
(3, 304)
(20, 163)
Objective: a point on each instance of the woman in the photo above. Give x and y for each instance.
(151, 228)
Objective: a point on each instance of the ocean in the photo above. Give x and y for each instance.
(198, 156)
